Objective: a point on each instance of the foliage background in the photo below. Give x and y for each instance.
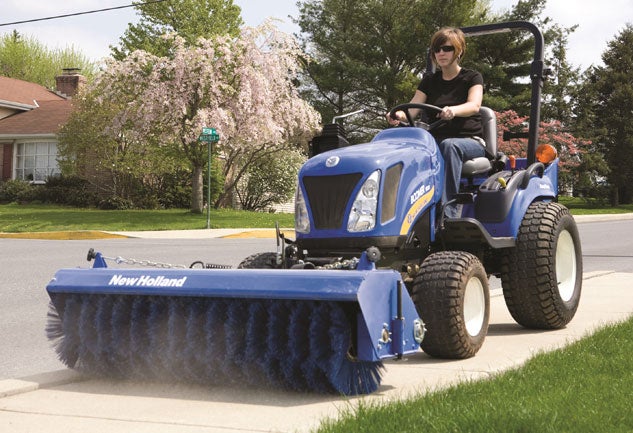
(354, 55)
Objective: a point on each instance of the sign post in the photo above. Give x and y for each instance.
(210, 136)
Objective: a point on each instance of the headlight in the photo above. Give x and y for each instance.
(362, 217)
(302, 220)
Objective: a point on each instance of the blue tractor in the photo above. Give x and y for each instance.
(375, 271)
(385, 197)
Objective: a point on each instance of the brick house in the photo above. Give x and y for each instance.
(30, 118)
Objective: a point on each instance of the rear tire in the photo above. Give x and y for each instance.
(452, 297)
(266, 260)
(542, 275)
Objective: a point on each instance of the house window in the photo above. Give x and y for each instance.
(36, 161)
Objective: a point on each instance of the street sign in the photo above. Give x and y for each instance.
(210, 135)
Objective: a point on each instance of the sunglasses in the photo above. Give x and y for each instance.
(445, 48)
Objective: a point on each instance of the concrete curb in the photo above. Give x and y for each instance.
(9, 387)
(70, 235)
(205, 233)
(157, 234)
(603, 217)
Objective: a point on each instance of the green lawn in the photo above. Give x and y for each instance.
(16, 218)
(585, 387)
(578, 206)
(43, 218)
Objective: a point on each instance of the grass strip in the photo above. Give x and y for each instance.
(15, 218)
(585, 387)
(45, 218)
(578, 206)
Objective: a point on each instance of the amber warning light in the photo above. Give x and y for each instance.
(546, 153)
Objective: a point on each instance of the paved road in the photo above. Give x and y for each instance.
(68, 405)
(28, 265)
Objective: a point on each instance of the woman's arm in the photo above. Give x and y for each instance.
(419, 97)
(468, 108)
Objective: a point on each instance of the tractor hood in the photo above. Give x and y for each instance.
(388, 147)
(371, 190)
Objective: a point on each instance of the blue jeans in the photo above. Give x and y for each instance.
(455, 151)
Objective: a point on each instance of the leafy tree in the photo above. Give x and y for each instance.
(504, 60)
(507, 57)
(242, 87)
(607, 111)
(562, 83)
(593, 169)
(371, 54)
(120, 167)
(27, 59)
(270, 181)
(368, 54)
(190, 19)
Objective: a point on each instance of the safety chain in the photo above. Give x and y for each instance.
(121, 260)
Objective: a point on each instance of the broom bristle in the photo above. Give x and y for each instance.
(194, 334)
(256, 342)
(297, 345)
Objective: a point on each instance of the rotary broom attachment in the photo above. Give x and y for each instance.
(302, 330)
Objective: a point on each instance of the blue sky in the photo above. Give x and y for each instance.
(92, 34)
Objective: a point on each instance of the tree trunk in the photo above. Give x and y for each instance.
(197, 189)
(625, 195)
(615, 196)
(225, 200)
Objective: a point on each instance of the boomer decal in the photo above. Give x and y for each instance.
(419, 199)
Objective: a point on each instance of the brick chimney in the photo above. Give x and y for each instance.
(69, 82)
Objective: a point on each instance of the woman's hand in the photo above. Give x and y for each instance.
(399, 117)
(447, 113)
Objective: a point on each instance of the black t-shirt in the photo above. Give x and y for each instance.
(453, 92)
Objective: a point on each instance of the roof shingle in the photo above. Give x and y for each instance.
(24, 92)
(46, 119)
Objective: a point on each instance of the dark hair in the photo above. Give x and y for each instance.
(452, 35)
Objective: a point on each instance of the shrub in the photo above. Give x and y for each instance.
(15, 191)
(115, 203)
(69, 190)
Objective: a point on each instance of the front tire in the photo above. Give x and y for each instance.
(542, 275)
(266, 260)
(452, 297)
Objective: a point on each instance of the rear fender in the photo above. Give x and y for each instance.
(501, 210)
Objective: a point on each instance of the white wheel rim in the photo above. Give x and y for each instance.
(565, 266)
(474, 306)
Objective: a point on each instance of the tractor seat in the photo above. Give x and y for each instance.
(483, 164)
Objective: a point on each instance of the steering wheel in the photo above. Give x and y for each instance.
(420, 106)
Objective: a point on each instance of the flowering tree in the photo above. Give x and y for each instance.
(242, 87)
(570, 149)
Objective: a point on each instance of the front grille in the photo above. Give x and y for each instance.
(328, 197)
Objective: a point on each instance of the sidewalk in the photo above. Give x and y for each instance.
(65, 402)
